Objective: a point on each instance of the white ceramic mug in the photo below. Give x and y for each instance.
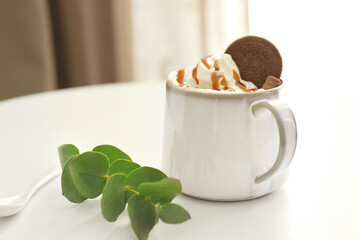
(227, 146)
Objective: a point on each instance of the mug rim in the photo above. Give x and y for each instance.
(223, 94)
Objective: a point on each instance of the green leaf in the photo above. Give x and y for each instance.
(142, 215)
(66, 151)
(122, 166)
(113, 200)
(143, 174)
(113, 153)
(163, 191)
(89, 173)
(67, 184)
(173, 213)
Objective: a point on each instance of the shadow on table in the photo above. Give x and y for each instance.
(251, 219)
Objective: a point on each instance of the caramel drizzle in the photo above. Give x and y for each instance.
(225, 83)
(215, 77)
(180, 77)
(250, 90)
(194, 74)
(240, 84)
(204, 61)
(216, 65)
(237, 80)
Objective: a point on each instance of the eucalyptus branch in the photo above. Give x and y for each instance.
(108, 171)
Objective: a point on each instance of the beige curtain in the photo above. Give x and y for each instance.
(26, 49)
(49, 44)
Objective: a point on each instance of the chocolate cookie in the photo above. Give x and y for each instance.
(256, 58)
(271, 82)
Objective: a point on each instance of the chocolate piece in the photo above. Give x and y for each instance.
(256, 58)
(271, 82)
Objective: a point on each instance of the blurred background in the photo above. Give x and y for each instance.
(52, 44)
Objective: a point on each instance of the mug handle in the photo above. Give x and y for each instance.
(287, 132)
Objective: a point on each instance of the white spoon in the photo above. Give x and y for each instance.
(12, 205)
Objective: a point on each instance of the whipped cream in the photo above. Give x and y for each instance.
(217, 72)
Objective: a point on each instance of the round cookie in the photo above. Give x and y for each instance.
(256, 58)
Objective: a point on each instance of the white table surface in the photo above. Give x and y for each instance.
(321, 199)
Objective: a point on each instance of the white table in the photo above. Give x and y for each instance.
(321, 199)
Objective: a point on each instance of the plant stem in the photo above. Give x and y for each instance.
(132, 190)
(106, 177)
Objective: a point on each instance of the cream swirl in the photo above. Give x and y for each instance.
(217, 72)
